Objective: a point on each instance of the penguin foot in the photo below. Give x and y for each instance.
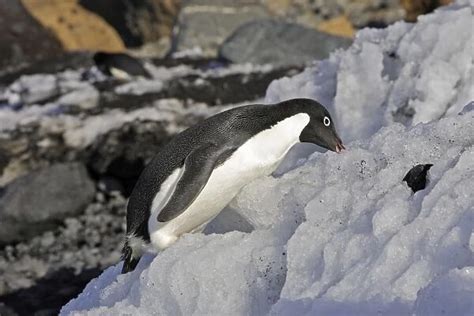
(129, 262)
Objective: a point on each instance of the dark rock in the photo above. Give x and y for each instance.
(110, 185)
(233, 88)
(49, 294)
(205, 24)
(122, 153)
(6, 311)
(279, 43)
(372, 13)
(414, 8)
(138, 21)
(91, 240)
(4, 160)
(416, 177)
(49, 65)
(35, 202)
(23, 39)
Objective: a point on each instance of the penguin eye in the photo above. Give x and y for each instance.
(326, 121)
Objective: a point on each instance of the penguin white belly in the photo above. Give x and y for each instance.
(120, 74)
(257, 157)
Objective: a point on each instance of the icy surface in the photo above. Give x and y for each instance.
(340, 234)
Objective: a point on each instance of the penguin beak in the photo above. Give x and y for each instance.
(336, 144)
(339, 146)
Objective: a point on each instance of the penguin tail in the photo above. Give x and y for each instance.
(130, 256)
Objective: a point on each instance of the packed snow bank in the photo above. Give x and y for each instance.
(405, 73)
(340, 234)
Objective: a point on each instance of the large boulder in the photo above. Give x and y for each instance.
(139, 21)
(205, 24)
(279, 43)
(23, 39)
(75, 27)
(34, 202)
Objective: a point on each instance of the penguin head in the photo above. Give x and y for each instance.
(320, 129)
(100, 57)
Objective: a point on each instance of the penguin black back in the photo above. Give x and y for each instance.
(107, 62)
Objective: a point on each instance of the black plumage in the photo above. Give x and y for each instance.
(106, 62)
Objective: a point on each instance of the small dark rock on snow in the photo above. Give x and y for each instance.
(416, 177)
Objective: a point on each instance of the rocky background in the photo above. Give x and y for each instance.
(73, 141)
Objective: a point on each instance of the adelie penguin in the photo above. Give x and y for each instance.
(120, 66)
(203, 168)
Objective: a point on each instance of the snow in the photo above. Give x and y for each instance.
(451, 294)
(340, 234)
(406, 73)
(34, 98)
(355, 241)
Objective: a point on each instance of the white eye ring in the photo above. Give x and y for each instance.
(326, 121)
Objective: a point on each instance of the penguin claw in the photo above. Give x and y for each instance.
(339, 147)
(129, 262)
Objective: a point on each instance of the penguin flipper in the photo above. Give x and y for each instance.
(198, 167)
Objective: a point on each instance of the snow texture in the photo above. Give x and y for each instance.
(340, 234)
(405, 73)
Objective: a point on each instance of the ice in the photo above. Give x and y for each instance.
(340, 234)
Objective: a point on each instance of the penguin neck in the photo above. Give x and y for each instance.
(284, 110)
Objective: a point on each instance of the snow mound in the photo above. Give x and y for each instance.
(407, 73)
(340, 234)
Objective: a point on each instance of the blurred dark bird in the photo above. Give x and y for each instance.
(416, 177)
(120, 66)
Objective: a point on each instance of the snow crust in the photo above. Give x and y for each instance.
(340, 234)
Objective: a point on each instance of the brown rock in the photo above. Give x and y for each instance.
(23, 40)
(139, 21)
(75, 27)
(360, 13)
(340, 26)
(414, 8)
